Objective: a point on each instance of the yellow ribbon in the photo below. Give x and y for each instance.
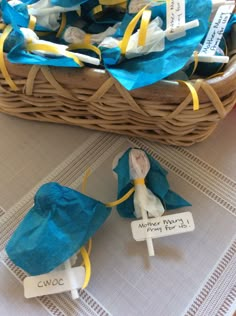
(193, 93)
(75, 58)
(131, 26)
(84, 253)
(39, 33)
(52, 49)
(32, 22)
(110, 2)
(86, 46)
(89, 246)
(85, 180)
(139, 181)
(122, 199)
(129, 30)
(3, 67)
(97, 9)
(62, 26)
(87, 265)
(218, 74)
(146, 16)
(195, 56)
(87, 39)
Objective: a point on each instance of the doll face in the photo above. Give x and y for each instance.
(139, 164)
(73, 35)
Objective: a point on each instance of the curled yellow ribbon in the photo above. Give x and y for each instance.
(87, 265)
(85, 254)
(3, 67)
(139, 181)
(129, 30)
(32, 22)
(52, 49)
(87, 39)
(131, 26)
(62, 26)
(146, 16)
(97, 9)
(195, 56)
(193, 93)
(122, 199)
(110, 2)
(86, 46)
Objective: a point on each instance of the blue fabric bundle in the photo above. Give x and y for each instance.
(58, 225)
(132, 72)
(155, 181)
(18, 14)
(148, 69)
(15, 47)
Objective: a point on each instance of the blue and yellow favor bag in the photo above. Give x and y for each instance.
(28, 49)
(150, 68)
(61, 221)
(156, 181)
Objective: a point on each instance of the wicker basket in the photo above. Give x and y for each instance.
(91, 98)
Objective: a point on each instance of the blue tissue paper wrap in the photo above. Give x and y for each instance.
(148, 69)
(18, 15)
(16, 48)
(61, 221)
(155, 181)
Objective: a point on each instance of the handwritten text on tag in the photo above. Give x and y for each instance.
(54, 282)
(216, 31)
(162, 226)
(175, 18)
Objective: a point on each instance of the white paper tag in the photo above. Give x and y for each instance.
(162, 226)
(54, 282)
(175, 11)
(217, 29)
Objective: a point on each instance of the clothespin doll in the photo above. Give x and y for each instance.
(152, 194)
(59, 224)
(151, 36)
(75, 35)
(63, 220)
(24, 46)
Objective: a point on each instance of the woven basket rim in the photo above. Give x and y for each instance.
(94, 78)
(99, 75)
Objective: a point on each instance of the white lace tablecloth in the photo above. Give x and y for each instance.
(191, 274)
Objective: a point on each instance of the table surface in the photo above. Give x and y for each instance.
(191, 274)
